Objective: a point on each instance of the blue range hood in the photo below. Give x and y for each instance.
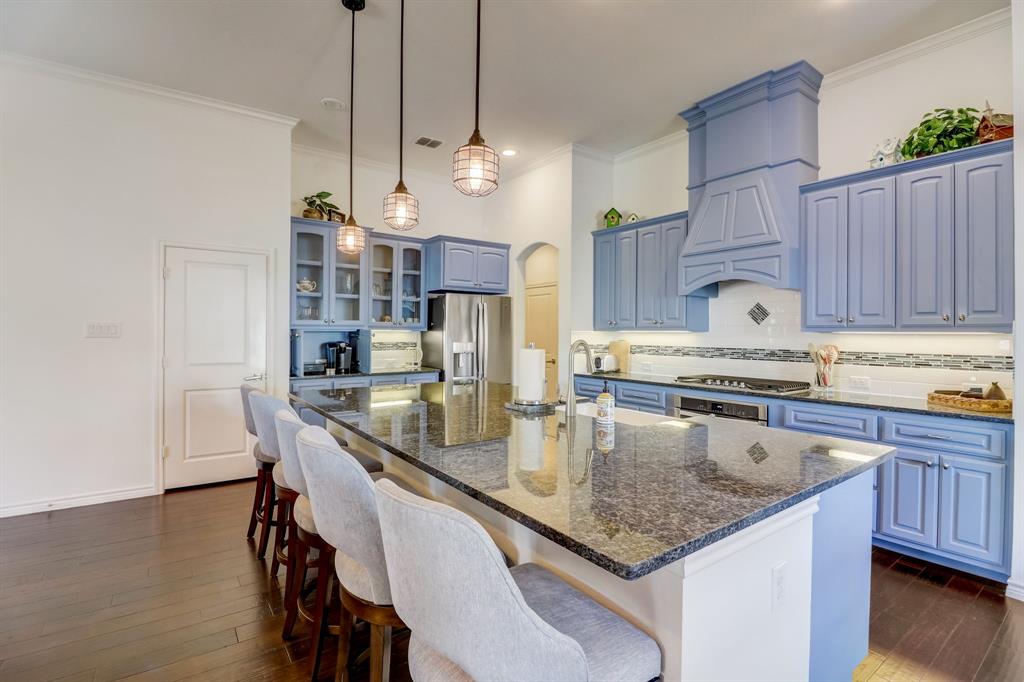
(751, 147)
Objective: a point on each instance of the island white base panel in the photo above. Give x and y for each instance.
(739, 609)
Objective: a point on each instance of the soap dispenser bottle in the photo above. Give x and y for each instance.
(605, 407)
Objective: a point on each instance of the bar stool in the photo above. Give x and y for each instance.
(277, 494)
(264, 464)
(474, 619)
(342, 496)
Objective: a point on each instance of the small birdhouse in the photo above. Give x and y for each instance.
(633, 218)
(612, 218)
(887, 153)
(994, 126)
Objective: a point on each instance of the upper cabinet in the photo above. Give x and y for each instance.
(327, 284)
(458, 265)
(923, 245)
(397, 298)
(636, 282)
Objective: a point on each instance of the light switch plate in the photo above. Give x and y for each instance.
(103, 330)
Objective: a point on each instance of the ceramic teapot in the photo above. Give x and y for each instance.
(306, 285)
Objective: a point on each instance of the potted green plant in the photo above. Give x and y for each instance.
(318, 208)
(942, 130)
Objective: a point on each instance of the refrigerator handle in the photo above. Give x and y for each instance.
(477, 339)
(487, 339)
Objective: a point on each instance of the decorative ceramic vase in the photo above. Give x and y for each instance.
(994, 392)
(312, 214)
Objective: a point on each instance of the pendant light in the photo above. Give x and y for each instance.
(475, 165)
(351, 237)
(401, 209)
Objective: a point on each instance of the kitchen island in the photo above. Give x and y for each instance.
(707, 533)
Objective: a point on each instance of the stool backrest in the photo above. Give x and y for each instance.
(288, 427)
(264, 407)
(250, 423)
(450, 585)
(342, 496)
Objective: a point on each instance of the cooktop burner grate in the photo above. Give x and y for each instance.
(779, 386)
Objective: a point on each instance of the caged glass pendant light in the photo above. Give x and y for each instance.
(401, 208)
(351, 237)
(474, 164)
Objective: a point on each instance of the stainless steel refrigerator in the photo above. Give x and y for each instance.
(469, 337)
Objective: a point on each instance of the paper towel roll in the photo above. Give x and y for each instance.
(530, 375)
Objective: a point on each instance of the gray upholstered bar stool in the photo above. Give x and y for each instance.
(278, 496)
(342, 496)
(302, 532)
(474, 619)
(264, 464)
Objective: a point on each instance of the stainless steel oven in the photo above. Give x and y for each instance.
(686, 406)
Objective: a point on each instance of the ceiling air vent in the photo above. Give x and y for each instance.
(429, 142)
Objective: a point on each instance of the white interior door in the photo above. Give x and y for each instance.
(215, 337)
(542, 330)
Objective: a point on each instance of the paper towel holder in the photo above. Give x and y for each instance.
(519, 402)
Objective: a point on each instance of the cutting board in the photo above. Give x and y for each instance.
(620, 349)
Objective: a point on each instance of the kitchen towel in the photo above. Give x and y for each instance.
(530, 375)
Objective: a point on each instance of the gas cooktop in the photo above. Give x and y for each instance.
(778, 386)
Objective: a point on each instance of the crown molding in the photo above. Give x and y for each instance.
(368, 163)
(74, 73)
(553, 155)
(650, 147)
(938, 41)
(592, 154)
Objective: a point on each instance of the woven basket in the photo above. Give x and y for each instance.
(955, 399)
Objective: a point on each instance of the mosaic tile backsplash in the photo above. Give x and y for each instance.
(394, 345)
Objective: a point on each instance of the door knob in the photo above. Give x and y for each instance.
(255, 377)
(552, 361)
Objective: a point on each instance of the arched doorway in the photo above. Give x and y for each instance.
(540, 279)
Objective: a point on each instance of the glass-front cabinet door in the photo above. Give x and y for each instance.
(382, 279)
(410, 300)
(309, 264)
(347, 293)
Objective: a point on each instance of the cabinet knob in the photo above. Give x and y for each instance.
(839, 320)
(945, 465)
(325, 321)
(945, 317)
(332, 320)
(850, 320)
(962, 317)
(929, 463)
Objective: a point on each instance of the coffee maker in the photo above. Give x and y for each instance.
(341, 357)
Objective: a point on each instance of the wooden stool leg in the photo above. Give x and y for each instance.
(284, 517)
(344, 644)
(295, 577)
(380, 652)
(268, 517)
(261, 481)
(322, 600)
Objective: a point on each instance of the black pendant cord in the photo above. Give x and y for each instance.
(401, 91)
(351, 118)
(476, 124)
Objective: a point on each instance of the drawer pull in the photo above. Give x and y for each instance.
(830, 422)
(938, 436)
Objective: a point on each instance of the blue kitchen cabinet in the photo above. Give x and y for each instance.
(397, 296)
(910, 497)
(604, 281)
(850, 256)
(458, 265)
(983, 236)
(972, 509)
(825, 218)
(871, 260)
(924, 244)
(678, 311)
(625, 280)
(649, 277)
(338, 302)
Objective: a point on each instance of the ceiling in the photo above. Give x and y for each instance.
(609, 75)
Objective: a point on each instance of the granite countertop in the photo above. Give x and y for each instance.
(371, 373)
(846, 398)
(631, 500)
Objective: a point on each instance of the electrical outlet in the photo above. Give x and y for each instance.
(860, 383)
(103, 330)
(778, 585)
(969, 386)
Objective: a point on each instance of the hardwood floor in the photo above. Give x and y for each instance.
(167, 588)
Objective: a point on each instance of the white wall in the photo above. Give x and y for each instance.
(95, 173)
(860, 105)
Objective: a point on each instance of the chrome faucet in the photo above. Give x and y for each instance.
(570, 396)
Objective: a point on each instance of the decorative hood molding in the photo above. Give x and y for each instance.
(751, 147)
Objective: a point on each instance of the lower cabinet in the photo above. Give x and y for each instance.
(910, 497)
(971, 508)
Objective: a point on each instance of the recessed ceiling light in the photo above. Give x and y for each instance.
(332, 104)
(508, 152)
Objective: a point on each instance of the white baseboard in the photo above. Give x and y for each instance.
(76, 501)
(1015, 590)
